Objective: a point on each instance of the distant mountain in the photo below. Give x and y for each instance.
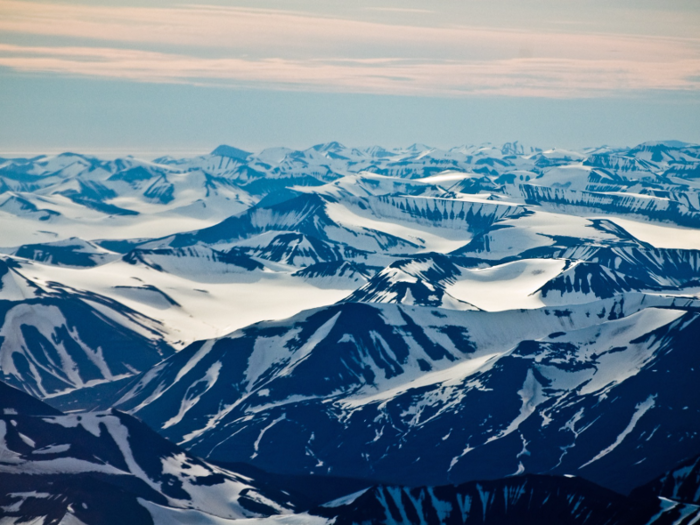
(297, 249)
(336, 274)
(230, 152)
(418, 281)
(655, 267)
(649, 181)
(585, 281)
(70, 252)
(661, 210)
(195, 261)
(306, 214)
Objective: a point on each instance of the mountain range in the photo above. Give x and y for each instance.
(485, 334)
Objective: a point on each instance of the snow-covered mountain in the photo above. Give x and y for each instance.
(410, 317)
(108, 467)
(104, 468)
(367, 390)
(55, 339)
(519, 499)
(69, 252)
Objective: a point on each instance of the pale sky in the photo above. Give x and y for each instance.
(160, 76)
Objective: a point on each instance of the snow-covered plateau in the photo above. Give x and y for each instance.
(480, 335)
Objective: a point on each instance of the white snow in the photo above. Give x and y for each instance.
(506, 286)
(448, 376)
(208, 309)
(345, 500)
(660, 236)
(53, 449)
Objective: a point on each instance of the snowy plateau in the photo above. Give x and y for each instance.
(480, 335)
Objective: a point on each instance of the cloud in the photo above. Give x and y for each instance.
(557, 78)
(399, 10)
(276, 49)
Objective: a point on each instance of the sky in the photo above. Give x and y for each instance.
(154, 77)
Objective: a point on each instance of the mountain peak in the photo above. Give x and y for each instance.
(231, 152)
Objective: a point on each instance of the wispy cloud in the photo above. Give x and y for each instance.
(227, 46)
(399, 10)
(512, 77)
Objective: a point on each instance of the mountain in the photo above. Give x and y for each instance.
(54, 339)
(194, 261)
(418, 281)
(585, 281)
(681, 484)
(652, 266)
(305, 214)
(543, 235)
(108, 467)
(519, 499)
(69, 252)
(297, 249)
(337, 274)
(369, 230)
(230, 152)
(491, 333)
(403, 387)
(651, 181)
(104, 468)
(644, 207)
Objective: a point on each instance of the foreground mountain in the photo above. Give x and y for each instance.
(520, 499)
(104, 468)
(378, 391)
